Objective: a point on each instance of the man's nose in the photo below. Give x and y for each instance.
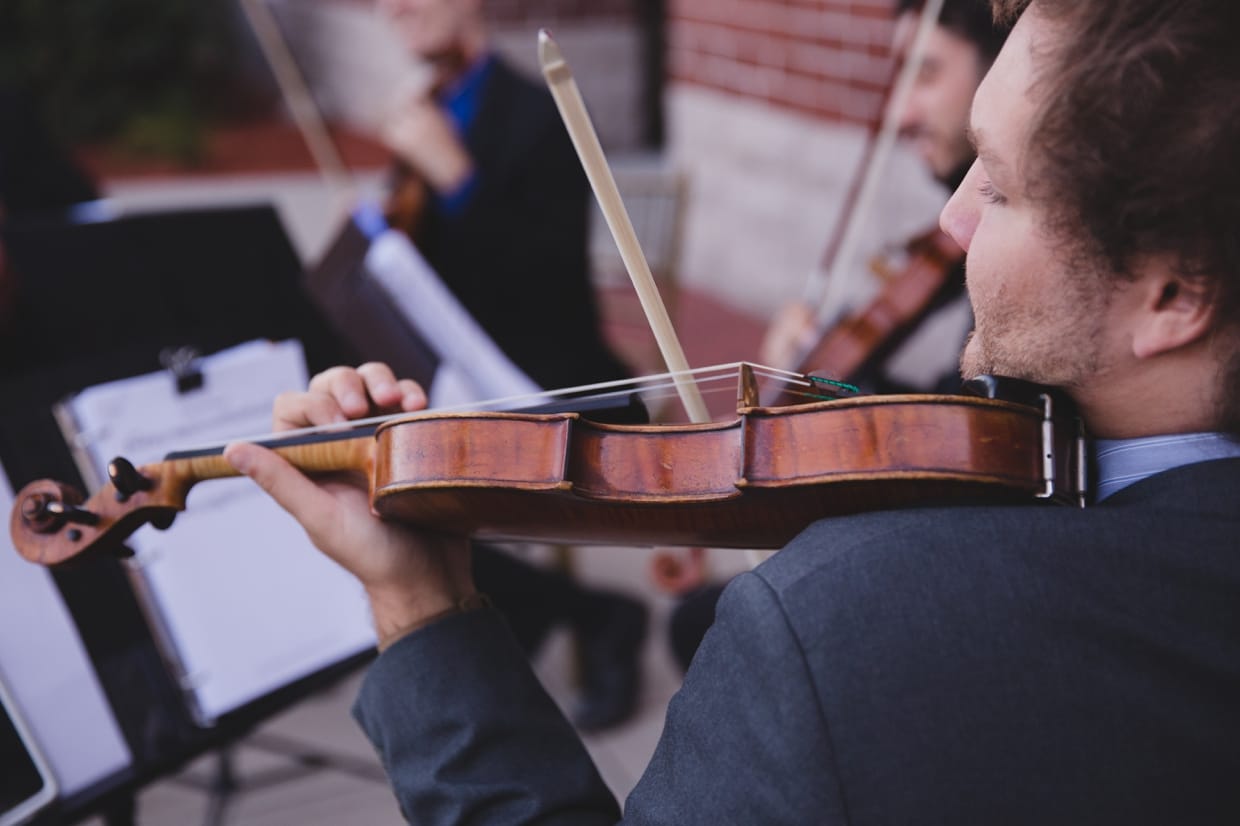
(909, 121)
(962, 212)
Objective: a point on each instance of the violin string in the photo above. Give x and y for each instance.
(653, 387)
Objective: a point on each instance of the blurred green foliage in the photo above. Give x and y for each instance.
(144, 75)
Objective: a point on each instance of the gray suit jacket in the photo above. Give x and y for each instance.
(967, 665)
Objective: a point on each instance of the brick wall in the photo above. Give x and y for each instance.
(826, 58)
(769, 105)
(518, 11)
(549, 12)
(765, 189)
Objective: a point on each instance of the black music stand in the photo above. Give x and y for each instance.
(98, 302)
(361, 313)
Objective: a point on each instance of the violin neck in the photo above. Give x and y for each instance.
(406, 201)
(322, 453)
(52, 524)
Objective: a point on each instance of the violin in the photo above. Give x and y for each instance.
(406, 200)
(924, 271)
(753, 480)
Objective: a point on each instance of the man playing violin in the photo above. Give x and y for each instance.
(922, 352)
(972, 664)
(503, 202)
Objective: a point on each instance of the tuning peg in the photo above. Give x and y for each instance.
(126, 479)
(64, 512)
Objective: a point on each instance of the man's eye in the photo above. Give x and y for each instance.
(989, 194)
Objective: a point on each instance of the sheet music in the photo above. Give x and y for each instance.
(242, 601)
(472, 366)
(50, 675)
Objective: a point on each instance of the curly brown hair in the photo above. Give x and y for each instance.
(1137, 142)
(1006, 11)
(970, 19)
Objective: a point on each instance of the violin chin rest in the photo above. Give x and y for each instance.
(1018, 391)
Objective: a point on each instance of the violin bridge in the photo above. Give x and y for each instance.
(747, 388)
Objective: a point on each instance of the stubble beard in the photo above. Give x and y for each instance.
(1059, 344)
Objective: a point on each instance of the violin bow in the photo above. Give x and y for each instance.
(581, 129)
(826, 286)
(300, 101)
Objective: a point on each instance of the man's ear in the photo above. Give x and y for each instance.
(1174, 311)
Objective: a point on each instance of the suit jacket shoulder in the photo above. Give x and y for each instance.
(961, 665)
(1028, 664)
(517, 255)
(515, 114)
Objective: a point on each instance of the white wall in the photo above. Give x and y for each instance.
(765, 188)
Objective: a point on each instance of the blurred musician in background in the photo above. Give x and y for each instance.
(923, 353)
(486, 183)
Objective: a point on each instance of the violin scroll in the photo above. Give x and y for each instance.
(46, 505)
(52, 522)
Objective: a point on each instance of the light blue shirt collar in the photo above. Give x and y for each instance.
(1122, 462)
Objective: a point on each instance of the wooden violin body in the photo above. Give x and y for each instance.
(752, 482)
(406, 200)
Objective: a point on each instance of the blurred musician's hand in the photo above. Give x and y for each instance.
(789, 337)
(418, 131)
